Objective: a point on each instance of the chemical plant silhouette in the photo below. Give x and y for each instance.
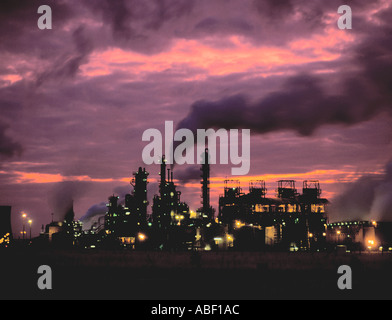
(245, 221)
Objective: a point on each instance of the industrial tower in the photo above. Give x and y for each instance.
(207, 212)
(167, 207)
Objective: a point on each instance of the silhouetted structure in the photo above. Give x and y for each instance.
(246, 221)
(206, 212)
(126, 224)
(65, 233)
(5, 226)
(138, 201)
(358, 235)
(290, 220)
(170, 216)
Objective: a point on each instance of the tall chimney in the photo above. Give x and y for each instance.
(205, 169)
(163, 174)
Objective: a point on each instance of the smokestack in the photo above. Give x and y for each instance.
(163, 174)
(62, 197)
(205, 168)
(70, 214)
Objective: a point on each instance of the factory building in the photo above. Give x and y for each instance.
(245, 221)
(66, 233)
(359, 235)
(167, 208)
(291, 220)
(171, 226)
(126, 224)
(137, 202)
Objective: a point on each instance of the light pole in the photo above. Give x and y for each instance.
(30, 222)
(24, 218)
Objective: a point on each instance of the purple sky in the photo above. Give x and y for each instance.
(76, 99)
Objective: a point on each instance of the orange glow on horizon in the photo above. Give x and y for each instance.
(324, 176)
(35, 177)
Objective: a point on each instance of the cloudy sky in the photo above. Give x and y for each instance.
(76, 99)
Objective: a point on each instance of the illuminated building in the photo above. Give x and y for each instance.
(170, 216)
(122, 223)
(361, 235)
(167, 208)
(292, 218)
(52, 228)
(64, 233)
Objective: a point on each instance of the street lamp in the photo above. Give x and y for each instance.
(24, 215)
(30, 222)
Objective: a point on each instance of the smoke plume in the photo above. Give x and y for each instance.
(8, 147)
(62, 198)
(355, 92)
(368, 198)
(93, 214)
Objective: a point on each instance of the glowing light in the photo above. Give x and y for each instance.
(239, 224)
(141, 236)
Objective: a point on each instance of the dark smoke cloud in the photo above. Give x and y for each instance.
(370, 197)
(359, 90)
(63, 196)
(139, 25)
(302, 105)
(8, 147)
(18, 22)
(67, 65)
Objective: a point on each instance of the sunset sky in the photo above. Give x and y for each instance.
(76, 99)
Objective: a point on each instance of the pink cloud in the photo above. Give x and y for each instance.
(239, 56)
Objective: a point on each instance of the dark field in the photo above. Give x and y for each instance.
(183, 275)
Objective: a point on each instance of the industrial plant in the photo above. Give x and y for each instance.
(293, 220)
